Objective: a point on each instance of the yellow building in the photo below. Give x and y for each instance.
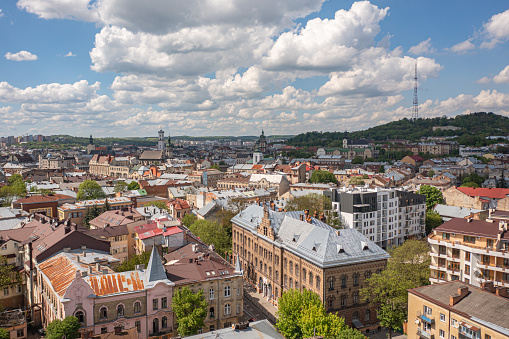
(455, 310)
(473, 251)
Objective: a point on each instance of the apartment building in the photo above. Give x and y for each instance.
(385, 216)
(75, 212)
(279, 251)
(199, 268)
(472, 251)
(455, 310)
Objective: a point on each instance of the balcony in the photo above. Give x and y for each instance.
(425, 318)
(424, 334)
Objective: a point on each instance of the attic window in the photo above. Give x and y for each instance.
(314, 248)
(364, 245)
(340, 249)
(295, 237)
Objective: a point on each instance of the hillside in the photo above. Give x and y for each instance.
(474, 128)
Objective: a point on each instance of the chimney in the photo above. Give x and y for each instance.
(455, 298)
(67, 229)
(323, 218)
(488, 286)
(90, 269)
(97, 266)
(306, 212)
(502, 292)
(315, 215)
(301, 217)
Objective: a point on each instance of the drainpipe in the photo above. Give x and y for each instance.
(31, 264)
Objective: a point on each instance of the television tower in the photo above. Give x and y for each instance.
(415, 110)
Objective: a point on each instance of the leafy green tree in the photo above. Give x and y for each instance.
(470, 184)
(15, 189)
(356, 181)
(68, 328)
(16, 177)
(190, 309)
(106, 206)
(433, 196)
(212, 232)
(133, 185)
(407, 268)
(358, 160)
(4, 334)
(89, 190)
(381, 169)
(431, 173)
(473, 180)
(312, 202)
(120, 186)
(433, 220)
(189, 219)
(323, 177)
(129, 265)
(302, 315)
(91, 213)
(8, 275)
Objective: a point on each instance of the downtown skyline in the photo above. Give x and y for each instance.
(207, 68)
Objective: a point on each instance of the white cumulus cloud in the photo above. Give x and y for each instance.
(424, 47)
(20, 56)
(462, 47)
(70, 54)
(496, 30)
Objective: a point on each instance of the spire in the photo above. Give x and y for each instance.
(91, 140)
(237, 266)
(155, 268)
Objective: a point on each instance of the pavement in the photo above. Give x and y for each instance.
(384, 334)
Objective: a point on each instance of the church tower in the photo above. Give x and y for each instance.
(160, 141)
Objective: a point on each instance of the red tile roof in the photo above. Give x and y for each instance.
(172, 230)
(42, 198)
(492, 193)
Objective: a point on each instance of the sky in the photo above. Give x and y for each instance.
(235, 67)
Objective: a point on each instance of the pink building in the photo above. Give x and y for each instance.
(81, 283)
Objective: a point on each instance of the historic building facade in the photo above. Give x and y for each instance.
(279, 251)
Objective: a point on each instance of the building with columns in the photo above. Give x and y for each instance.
(279, 251)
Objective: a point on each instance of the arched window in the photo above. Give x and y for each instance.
(120, 310)
(331, 283)
(367, 315)
(367, 274)
(343, 281)
(378, 271)
(330, 302)
(355, 315)
(137, 307)
(296, 270)
(311, 279)
(343, 300)
(304, 274)
(355, 298)
(356, 279)
(227, 309)
(103, 312)
(317, 282)
(81, 316)
(291, 283)
(211, 312)
(164, 322)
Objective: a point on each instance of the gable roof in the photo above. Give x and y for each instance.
(492, 193)
(155, 268)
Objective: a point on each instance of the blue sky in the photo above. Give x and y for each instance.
(222, 67)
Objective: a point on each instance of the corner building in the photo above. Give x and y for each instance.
(279, 251)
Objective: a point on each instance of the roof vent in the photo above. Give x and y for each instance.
(67, 249)
(84, 274)
(83, 247)
(105, 271)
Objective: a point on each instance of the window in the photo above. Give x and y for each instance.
(211, 294)
(304, 274)
(81, 316)
(238, 308)
(330, 303)
(343, 281)
(164, 322)
(6, 290)
(487, 336)
(442, 334)
(211, 312)
(120, 310)
(331, 283)
(164, 302)
(367, 315)
(317, 282)
(155, 304)
(467, 269)
(227, 291)
(454, 323)
(227, 309)
(20, 332)
(446, 236)
(442, 317)
(311, 278)
(355, 315)
(212, 328)
(427, 310)
(137, 324)
(155, 326)
(367, 274)
(356, 279)
(343, 300)
(467, 256)
(469, 239)
(355, 298)
(104, 330)
(227, 324)
(103, 313)
(137, 307)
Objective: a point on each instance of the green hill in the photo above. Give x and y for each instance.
(475, 128)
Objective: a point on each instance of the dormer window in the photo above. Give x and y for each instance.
(340, 249)
(364, 245)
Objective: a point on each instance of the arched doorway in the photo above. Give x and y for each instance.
(155, 325)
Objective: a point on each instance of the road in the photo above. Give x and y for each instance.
(251, 311)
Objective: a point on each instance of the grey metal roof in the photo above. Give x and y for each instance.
(317, 242)
(155, 268)
(454, 211)
(261, 329)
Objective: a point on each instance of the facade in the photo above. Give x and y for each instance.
(75, 212)
(279, 251)
(456, 310)
(46, 204)
(80, 283)
(479, 198)
(199, 268)
(266, 181)
(472, 251)
(385, 216)
(49, 162)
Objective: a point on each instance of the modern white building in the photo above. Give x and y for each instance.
(385, 216)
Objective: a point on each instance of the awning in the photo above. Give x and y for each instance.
(469, 326)
(357, 323)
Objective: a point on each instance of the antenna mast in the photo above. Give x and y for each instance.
(415, 110)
